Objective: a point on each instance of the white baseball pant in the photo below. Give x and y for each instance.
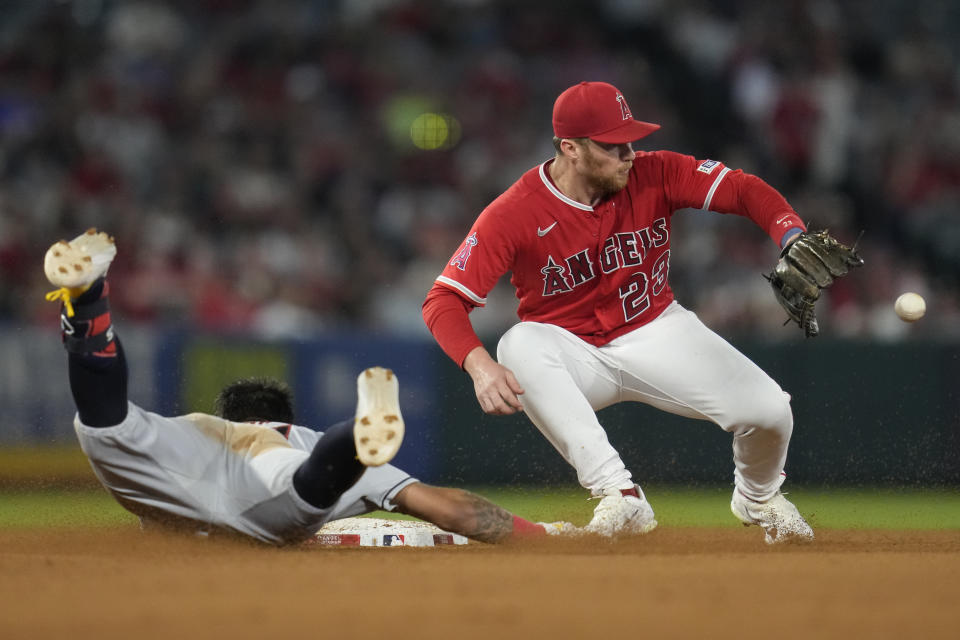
(674, 363)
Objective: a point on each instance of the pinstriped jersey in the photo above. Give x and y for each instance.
(596, 271)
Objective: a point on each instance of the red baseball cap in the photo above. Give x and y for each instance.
(598, 111)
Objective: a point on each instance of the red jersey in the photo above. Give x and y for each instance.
(598, 271)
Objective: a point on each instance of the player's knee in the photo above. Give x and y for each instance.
(770, 412)
(773, 413)
(523, 345)
(515, 341)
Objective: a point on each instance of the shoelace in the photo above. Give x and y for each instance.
(63, 295)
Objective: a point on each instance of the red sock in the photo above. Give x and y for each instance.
(632, 491)
(523, 529)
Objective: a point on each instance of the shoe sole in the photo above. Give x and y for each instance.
(81, 261)
(378, 428)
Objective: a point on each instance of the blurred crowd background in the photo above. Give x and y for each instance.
(254, 159)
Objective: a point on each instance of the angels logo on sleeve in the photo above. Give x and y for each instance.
(460, 260)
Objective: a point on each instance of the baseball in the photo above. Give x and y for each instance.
(910, 307)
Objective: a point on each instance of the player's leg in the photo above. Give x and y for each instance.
(97, 367)
(565, 381)
(679, 365)
(331, 469)
(346, 449)
(99, 386)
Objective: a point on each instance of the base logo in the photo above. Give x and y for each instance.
(393, 540)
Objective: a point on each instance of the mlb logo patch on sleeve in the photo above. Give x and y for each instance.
(707, 166)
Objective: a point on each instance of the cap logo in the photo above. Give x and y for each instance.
(624, 109)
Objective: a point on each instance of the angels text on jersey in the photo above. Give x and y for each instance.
(621, 250)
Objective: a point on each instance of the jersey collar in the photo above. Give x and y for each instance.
(548, 183)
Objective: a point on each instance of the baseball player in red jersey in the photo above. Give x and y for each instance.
(586, 236)
(247, 471)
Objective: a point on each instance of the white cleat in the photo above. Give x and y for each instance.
(378, 427)
(560, 528)
(78, 263)
(777, 516)
(619, 515)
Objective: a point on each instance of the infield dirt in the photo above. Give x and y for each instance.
(673, 583)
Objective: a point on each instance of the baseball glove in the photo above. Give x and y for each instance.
(808, 264)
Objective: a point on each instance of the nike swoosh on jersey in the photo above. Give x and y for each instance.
(543, 232)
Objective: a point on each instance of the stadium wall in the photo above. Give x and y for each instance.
(866, 413)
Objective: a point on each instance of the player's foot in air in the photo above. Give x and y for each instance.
(378, 427)
(75, 265)
(622, 515)
(79, 268)
(777, 516)
(78, 263)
